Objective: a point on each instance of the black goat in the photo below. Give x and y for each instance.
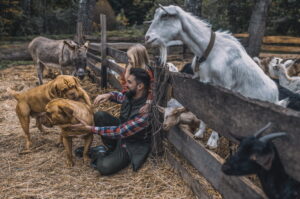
(258, 155)
(294, 98)
(187, 68)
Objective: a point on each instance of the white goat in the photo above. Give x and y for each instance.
(176, 114)
(227, 65)
(171, 67)
(267, 64)
(291, 83)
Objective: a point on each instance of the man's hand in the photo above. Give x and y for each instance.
(145, 108)
(102, 98)
(82, 126)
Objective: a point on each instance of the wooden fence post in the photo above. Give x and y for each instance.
(103, 52)
(160, 98)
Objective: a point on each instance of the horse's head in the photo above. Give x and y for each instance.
(165, 26)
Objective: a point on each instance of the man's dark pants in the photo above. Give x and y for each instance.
(118, 158)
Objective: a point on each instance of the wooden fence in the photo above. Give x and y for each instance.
(224, 111)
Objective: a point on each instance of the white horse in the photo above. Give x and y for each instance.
(227, 65)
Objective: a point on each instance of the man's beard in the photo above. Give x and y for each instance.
(129, 94)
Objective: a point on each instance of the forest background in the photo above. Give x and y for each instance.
(48, 17)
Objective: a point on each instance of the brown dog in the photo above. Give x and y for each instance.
(33, 101)
(64, 112)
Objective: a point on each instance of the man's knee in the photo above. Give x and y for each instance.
(107, 167)
(100, 115)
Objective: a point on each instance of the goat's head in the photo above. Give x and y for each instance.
(171, 116)
(283, 66)
(254, 153)
(277, 64)
(165, 26)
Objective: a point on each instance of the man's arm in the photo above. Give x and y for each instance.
(117, 97)
(126, 129)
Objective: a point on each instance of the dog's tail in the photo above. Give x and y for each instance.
(13, 93)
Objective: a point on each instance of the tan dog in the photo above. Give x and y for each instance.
(64, 112)
(33, 101)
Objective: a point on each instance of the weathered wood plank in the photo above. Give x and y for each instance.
(196, 187)
(94, 57)
(95, 68)
(274, 39)
(114, 39)
(112, 80)
(209, 165)
(118, 55)
(286, 56)
(291, 49)
(103, 51)
(228, 112)
(119, 45)
(281, 39)
(115, 67)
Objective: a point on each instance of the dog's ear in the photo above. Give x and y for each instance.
(77, 82)
(55, 92)
(68, 112)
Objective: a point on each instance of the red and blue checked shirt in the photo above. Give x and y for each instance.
(129, 128)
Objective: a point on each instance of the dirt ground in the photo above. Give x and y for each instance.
(43, 173)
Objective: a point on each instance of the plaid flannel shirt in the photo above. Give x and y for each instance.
(126, 129)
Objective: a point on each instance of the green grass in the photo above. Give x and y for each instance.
(127, 32)
(5, 64)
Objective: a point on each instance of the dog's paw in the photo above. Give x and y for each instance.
(69, 164)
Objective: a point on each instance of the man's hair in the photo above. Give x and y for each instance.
(141, 76)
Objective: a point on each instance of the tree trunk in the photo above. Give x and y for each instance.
(85, 12)
(257, 26)
(193, 6)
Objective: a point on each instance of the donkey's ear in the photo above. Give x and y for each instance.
(71, 44)
(263, 160)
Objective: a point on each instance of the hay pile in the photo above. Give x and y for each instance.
(43, 174)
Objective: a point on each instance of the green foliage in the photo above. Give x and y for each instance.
(40, 17)
(232, 15)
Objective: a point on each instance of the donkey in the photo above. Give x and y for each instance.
(225, 62)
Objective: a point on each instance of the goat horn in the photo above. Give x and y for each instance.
(260, 131)
(163, 8)
(271, 136)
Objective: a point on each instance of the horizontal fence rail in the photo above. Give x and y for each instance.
(209, 165)
(231, 113)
